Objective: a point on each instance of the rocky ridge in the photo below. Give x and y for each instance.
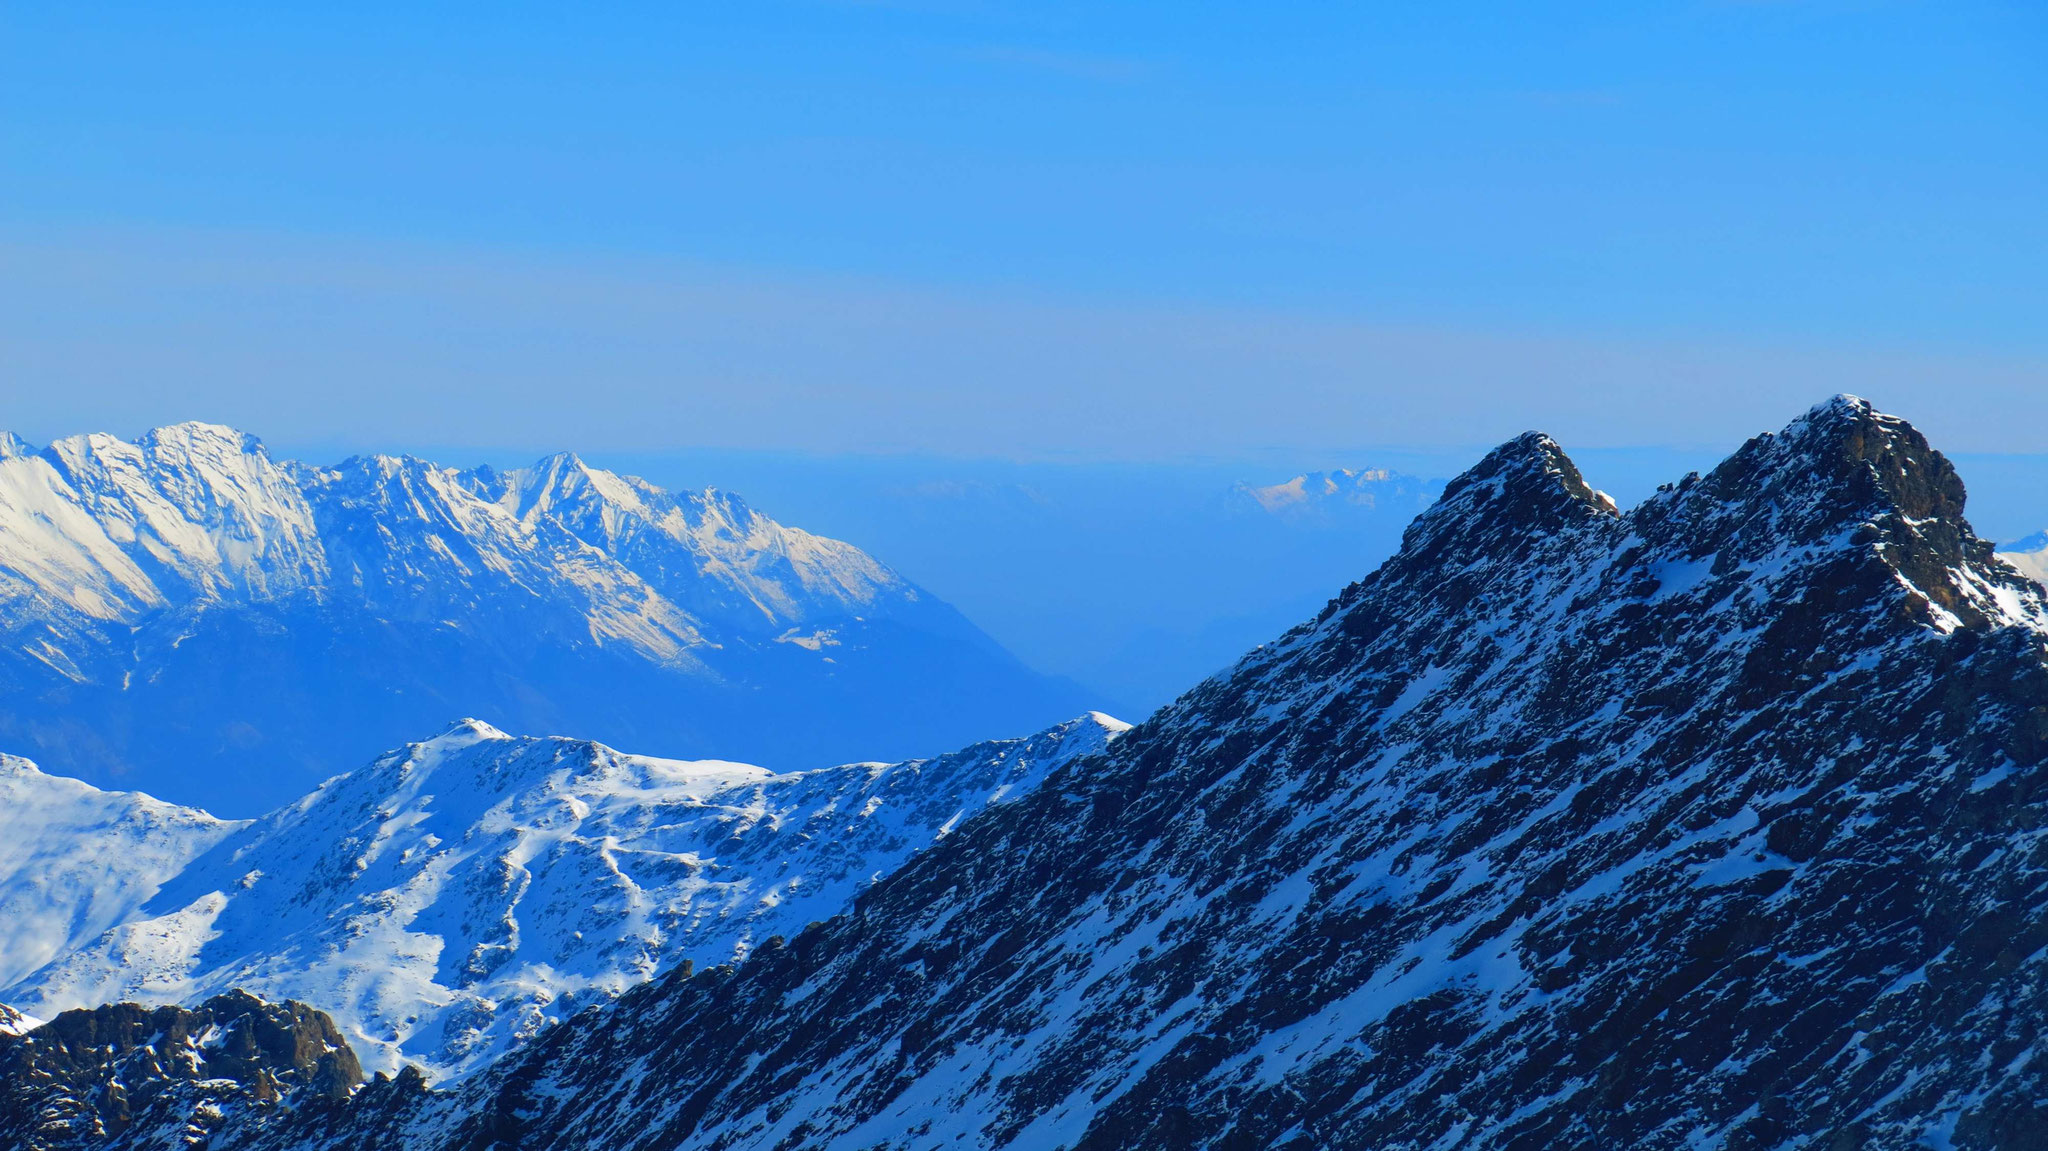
(1714, 823)
(13, 1022)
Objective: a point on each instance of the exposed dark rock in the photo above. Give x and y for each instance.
(133, 1076)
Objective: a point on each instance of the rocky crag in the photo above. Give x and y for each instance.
(165, 1077)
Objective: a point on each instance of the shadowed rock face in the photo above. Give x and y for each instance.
(165, 1076)
(1716, 823)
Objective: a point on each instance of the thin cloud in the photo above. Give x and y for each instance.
(305, 340)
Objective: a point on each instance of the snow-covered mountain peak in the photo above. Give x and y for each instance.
(464, 732)
(184, 512)
(1838, 405)
(185, 611)
(13, 446)
(197, 439)
(1522, 491)
(1111, 726)
(709, 550)
(1530, 469)
(1844, 484)
(1850, 457)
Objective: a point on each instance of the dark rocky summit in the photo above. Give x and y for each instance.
(1716, 823)
(132, 1076)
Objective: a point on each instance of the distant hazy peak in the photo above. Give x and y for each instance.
(1321, 493)
(2029, 555)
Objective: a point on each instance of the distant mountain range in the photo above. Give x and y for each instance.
(184, 615)
(1323, 497)
(456, 895)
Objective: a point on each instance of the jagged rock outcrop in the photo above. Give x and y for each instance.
(125, 1075)
(186, 616)
(13, 1022)
(1716, 823)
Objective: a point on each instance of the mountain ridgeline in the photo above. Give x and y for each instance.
(186, 616)
(1712, 823)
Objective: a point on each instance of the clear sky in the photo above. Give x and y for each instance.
(1124, 231)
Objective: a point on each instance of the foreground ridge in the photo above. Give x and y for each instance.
(1713, 823)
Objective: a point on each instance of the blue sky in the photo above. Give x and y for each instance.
(1098, 231)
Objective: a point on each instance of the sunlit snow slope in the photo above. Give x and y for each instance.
(75, 860)
(448, 899)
